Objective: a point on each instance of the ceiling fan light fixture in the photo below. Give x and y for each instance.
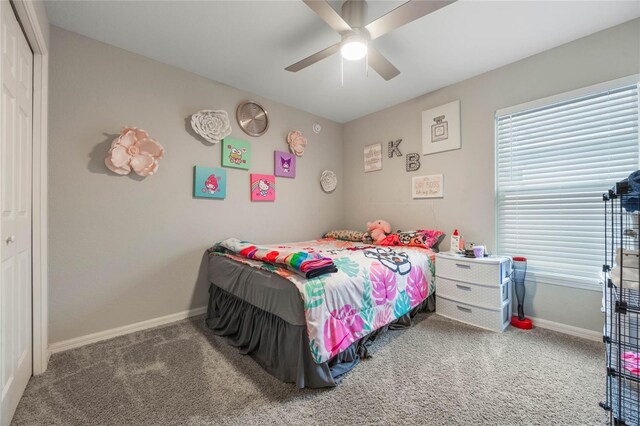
(356, 33)
(354, 48)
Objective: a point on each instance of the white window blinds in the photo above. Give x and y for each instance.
(554, 162)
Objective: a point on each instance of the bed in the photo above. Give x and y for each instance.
(312, 331)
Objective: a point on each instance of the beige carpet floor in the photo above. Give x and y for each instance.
(438, 372)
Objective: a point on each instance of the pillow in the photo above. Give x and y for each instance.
(436, 246)
(426, 238)
(345, 235)
(391, 240)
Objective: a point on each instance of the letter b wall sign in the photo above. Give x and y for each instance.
(413, 162)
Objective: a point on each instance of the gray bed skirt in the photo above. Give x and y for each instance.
(281, 348)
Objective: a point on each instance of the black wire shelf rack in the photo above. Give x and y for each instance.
(621, 303)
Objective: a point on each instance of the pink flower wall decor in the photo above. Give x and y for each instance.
(296, 142)
(134, 150)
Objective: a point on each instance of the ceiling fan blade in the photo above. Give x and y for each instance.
(402, 15)
(329, 15)
(381, 65)
(316, 57)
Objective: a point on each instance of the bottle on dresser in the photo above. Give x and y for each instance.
(457, 242)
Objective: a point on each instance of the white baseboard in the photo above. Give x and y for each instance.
(76, 342)
(567, 329)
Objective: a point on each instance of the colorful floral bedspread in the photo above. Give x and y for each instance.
(374, 285)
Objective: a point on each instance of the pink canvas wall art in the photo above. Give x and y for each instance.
(263, 187)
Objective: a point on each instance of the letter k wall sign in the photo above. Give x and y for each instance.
(393, 148)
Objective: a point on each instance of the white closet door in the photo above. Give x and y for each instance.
(16, 75)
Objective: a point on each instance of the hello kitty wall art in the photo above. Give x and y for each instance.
(263, 187)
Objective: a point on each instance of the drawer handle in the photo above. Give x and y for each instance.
(463, 309)
(463, 287)
(463, 265)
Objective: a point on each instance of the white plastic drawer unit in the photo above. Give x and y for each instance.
(474, 291)
(494, 320)
(488, 271)
(490, 297)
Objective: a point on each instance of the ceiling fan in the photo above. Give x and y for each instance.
(356, 34)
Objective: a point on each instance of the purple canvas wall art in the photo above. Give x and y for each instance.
(284, 164)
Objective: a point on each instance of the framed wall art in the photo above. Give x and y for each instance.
(427, 186)
(236, 153)
(373, 157)
(441, 128)
(209, 182)
(284, 164)
(263, 187)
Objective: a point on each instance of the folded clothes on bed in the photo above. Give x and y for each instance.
(309, 265)
(305, 263)
(329, 269)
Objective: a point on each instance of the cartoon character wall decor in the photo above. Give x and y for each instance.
(284, 164)
(263, 187)
(209, 182)
(236, 153)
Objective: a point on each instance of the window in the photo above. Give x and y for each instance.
(555, 159)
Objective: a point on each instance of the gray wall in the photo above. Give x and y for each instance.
(469, 194)
(124, 249)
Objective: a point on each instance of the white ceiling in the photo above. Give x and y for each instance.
(247, 44)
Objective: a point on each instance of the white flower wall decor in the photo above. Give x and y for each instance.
(328, 181)
(212, 125)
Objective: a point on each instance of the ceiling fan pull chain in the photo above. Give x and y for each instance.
(366, 62)
(341, 71)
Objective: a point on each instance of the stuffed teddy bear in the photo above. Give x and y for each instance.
(377, 230)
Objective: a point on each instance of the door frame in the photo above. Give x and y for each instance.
(37, 36)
